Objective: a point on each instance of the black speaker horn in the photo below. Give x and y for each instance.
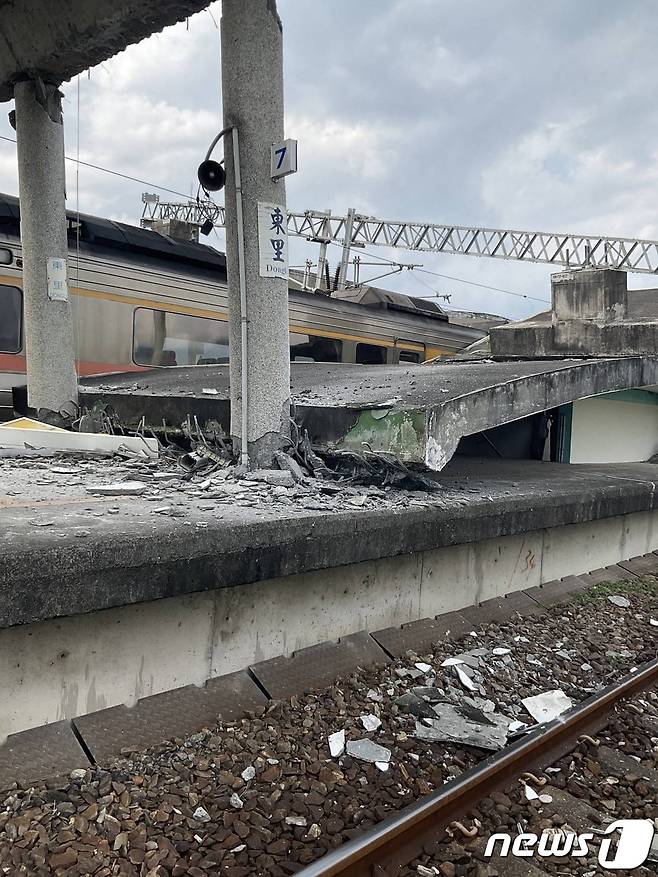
(212, 175)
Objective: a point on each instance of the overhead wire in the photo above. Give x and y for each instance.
(335, 243)
(107, 170)
(448, 276)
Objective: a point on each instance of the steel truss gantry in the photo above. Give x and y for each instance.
(564, 250)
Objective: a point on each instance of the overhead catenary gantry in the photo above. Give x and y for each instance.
(565, 250)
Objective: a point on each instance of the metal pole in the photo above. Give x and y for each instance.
(49, 341)
(347, 243)
(322, 258)
(244, 344)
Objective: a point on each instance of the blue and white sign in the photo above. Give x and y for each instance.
(284, 159)
(273, 240)
(58, 288)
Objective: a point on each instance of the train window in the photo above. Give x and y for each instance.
(370, 354)
(164, 338)
(11, 316)
(313, 348)
(6, 256)
(409, 356)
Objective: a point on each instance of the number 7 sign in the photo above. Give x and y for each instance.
(284, 159)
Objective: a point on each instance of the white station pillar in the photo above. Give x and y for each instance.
(252, 87)
(48, 323)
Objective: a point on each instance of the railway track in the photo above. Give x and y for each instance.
(398, 840)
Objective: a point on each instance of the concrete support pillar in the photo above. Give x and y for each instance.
(252, 86)
(51, 376)
(598, 294)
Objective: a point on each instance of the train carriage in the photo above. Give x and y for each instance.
(141, 300)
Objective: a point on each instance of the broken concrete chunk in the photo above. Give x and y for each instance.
(450, 726)
(375, 696)
(366, 750)
(236, 801)
(120, 488)
(465, 679)
(618, 600)
(336, 743)
(424, 668)
(417, 706)
(275, 477)
(370, 722)
(547, 706)
(296, 820)
(248, 773)
(286, 463)
(429, 693)
(201, 815)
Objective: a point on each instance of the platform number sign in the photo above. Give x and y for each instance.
(284, 159)
(273, 240)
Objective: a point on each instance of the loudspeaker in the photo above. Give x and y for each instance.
(211, 175)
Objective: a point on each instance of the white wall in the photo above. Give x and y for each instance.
(608, 429)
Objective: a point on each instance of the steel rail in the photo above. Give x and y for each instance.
(399, 839)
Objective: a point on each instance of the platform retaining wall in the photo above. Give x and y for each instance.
(67, 667)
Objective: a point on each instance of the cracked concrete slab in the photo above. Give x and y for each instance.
(418, 413)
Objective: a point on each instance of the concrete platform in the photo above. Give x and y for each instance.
(105, 601)
(417, 412)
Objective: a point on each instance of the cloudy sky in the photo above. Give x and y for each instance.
(506, 114)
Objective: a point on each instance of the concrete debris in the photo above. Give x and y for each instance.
(296, 820)
(366, 750)
(209, 391)
(451, 662)
(370, 722)
(336, 743)
(287, 463)
(500, 651)
(530, 793)
(424, 668)
(429, 693)
(236, 801)
(618, 600)
(123, 488)
(465, 679)
(382, 765)
(379, 698)
(32, 434)
(417, 706)
(653, 622)
(201, 815)
(547, 706)
(275, 477)
(403, 672)
(248, 773)
(451, 726)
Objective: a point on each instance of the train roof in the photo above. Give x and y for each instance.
(108, 234)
